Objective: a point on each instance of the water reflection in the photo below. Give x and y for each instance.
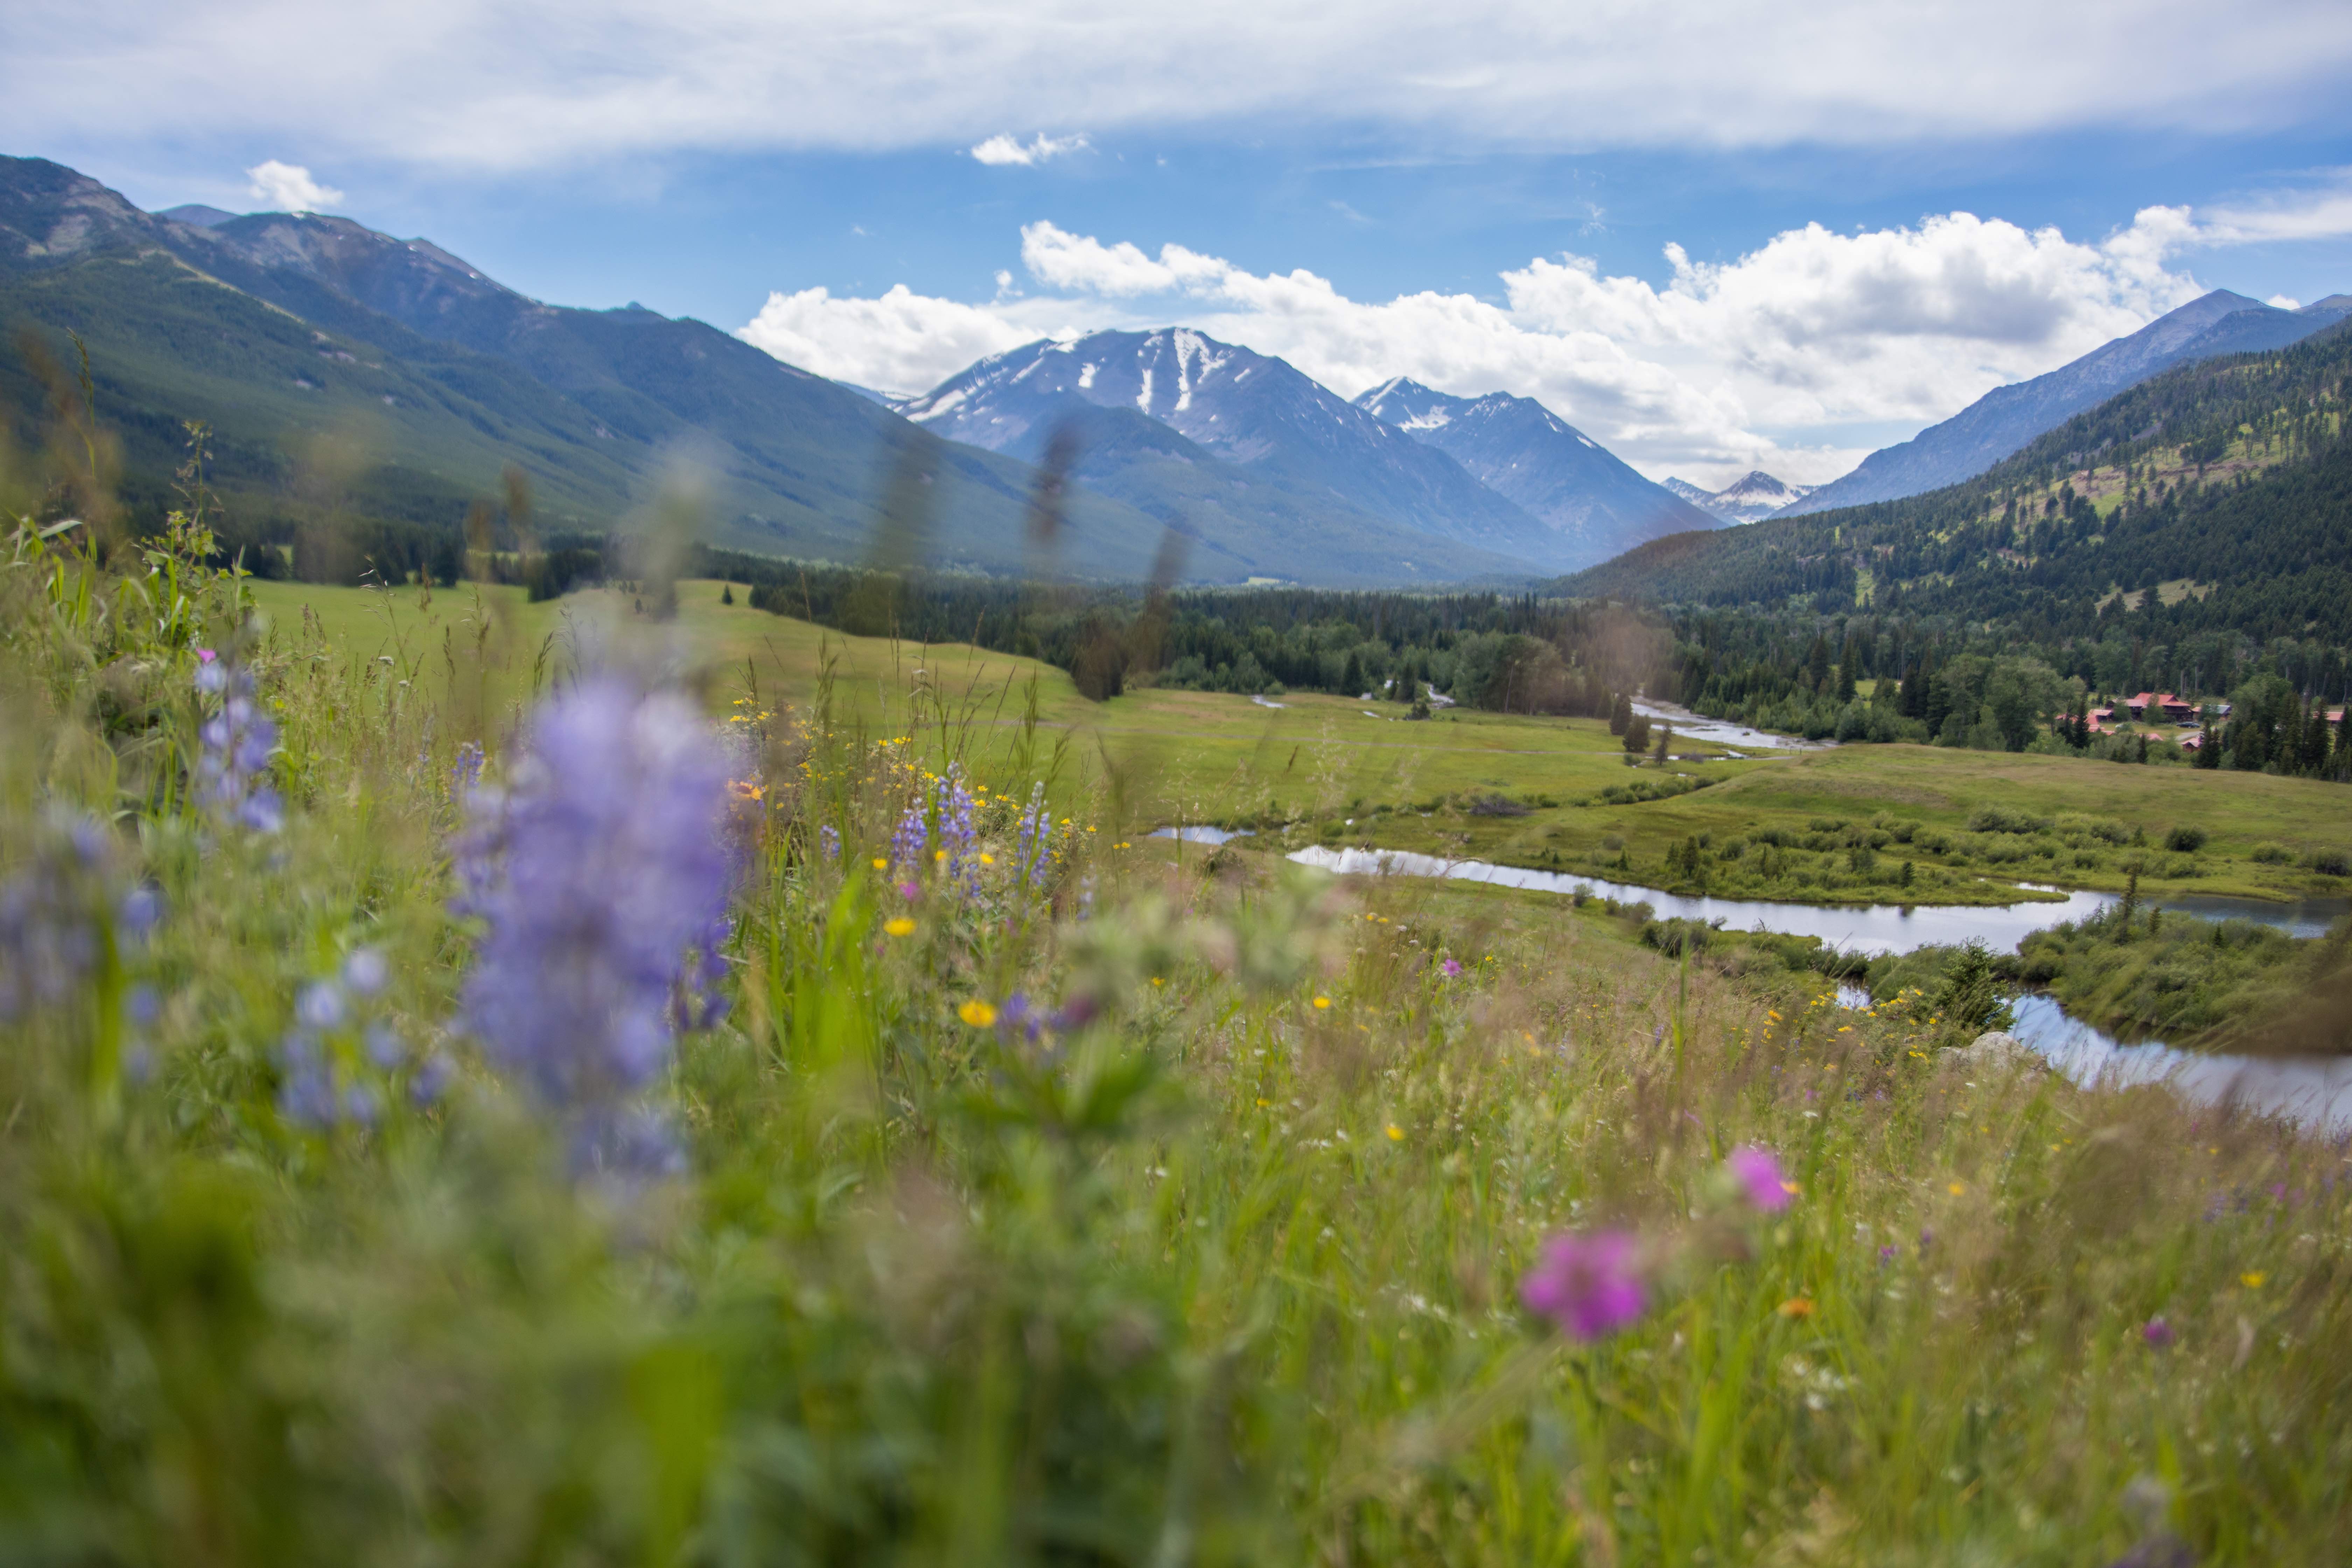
(2317, 1092)
(1882, 928)
(1200, 834)
(1721, 731)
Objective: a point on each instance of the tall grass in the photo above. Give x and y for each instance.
(1221, 1266)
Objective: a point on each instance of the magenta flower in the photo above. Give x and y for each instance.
(2157, 1334)
(1758, 1172)
(1452, 967)
(1592, 1285)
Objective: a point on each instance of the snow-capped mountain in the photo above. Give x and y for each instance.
(1271, 425)
(1759, 495)
(1522, 450)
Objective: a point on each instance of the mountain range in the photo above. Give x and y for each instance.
(1755, 496)
(1597, 505)
(1235, 449)
(2006, 418)
(349, 372)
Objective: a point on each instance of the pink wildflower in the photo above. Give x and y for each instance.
(1758, 1175)
(1592, 1285)
(1452, 967)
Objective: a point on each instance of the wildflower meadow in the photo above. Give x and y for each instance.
(489, 1105)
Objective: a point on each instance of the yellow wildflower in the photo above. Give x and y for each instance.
(1396, 1133)
(1322, 1001)
(899, 926)
(977, 1013)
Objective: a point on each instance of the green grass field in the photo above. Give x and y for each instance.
(1083, 1211)
(1302, 771)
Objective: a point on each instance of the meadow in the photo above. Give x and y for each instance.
(481, 1108)
(1833, 826)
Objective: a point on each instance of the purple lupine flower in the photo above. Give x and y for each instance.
(56, 912)
(911, 841)
(383, 1046)
(2157, 1334)
(1033, 840)
(597, 869)
(365, 972)
(1758, 1172)
(306, 1091)
(1592, 1285)
(957, 836)
(466, 771)
(232, 774)
(320, 1005)
(1017, 1016)
(828, 842)
(431, 1080)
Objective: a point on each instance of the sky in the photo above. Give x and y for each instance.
(1714, 236)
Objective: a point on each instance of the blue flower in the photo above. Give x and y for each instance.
(233, 773)
(594, 873)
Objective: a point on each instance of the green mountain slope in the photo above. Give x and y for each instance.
(2215, 496)
(326, 405)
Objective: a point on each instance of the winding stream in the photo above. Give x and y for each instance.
(2317, 1092)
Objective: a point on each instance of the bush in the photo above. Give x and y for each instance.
(2000, 819)
(2331, 862)
(2185, 839)
(2270, 853)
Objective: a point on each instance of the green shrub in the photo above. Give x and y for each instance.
(2271, 854)
(2185, 839)
(1992, 818)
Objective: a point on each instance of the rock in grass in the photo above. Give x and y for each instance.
(1994, 1051)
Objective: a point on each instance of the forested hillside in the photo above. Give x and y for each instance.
(2213, 497)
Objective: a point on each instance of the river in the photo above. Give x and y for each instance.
(2317, 1092)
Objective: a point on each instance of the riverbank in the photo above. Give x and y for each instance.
(2199, 984)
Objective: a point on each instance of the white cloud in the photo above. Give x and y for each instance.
(901, 342)
(289, 188)
(531, 82)
(1763, 362)
(2323, 211)
(999, 148)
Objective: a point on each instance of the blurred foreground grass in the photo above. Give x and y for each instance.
(1221, 1264)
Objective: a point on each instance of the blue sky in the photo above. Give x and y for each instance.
(1485, 202)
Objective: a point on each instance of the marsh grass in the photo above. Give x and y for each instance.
(1215, 1274)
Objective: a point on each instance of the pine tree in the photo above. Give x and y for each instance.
(1621, 715)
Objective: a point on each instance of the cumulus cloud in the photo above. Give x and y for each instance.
(289, 188)
(999, 148)
(1760, 362)
(531, 82)
(900, 343)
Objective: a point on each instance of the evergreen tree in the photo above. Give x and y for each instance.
(1621, 715)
